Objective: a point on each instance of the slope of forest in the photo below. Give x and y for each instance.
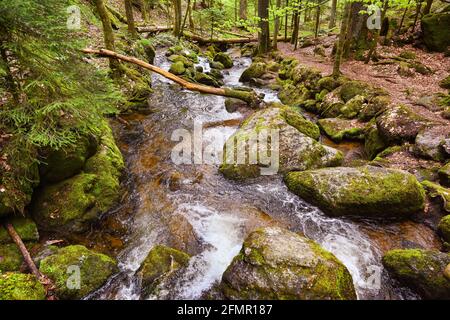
(98, 96)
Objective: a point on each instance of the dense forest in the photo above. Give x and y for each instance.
(224, 149)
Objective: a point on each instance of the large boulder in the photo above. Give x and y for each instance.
(177, 68)
(20, 286)
(62, 268)
(399, 123)
(25, 228)
(340, 129)
(420, 270)
(373, 143)
(297, 147)
(72, 204)
(224, 59)
(160, 263)
(361, 191)
(436, 31)
(278, 264)
(255, 70)
(429, 142)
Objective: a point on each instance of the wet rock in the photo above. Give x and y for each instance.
(361, 191)
(216, 65)
(444, 228)
(95, 269)
(429, 142)
(25, 228)
(278, 264)
(298, 149)
(339, 129)
(183, 236)
(420, 270)
(398, 123)
(65, 163)
(177, 68)
(206, 80)
(444, 175)
(232, 104)
(224, 59)
(436, 33)
(255, 70)
(73, 204)
(179, 58)
(435, 190)
(20, 286)
(161, 263)
(215, 73)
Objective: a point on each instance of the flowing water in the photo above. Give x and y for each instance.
(194, 208)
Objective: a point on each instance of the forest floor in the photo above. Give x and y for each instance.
(407, 90)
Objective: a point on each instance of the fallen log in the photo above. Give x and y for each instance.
(202, 40)
(155, 29)
(49, 286)
(250, 97)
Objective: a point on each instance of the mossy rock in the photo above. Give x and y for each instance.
(353, 107)
(73, 204)
(160, 263)
(255, 70)
(444, 228)
(177, 68)
(232, 104)
(429, 142)
(206, 79)
(278, 264)
(435, 190)
(20, 286)
(444, 175)
(95, 269)
(65, 163)
(374, 143)
(360, 191)
(10, 257)
(436, 31)
(340, 129)
(331, 105)
(25, 228)
(179, 58)
(445, 83)
(297, 147)
(216, 65)
(224, 59)
(351, 89)
(294, 95)
(409, 55)
(329, 83)
(400, 124)
(420, 270)
(375, 106)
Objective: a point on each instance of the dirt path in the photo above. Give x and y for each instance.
(405, 90)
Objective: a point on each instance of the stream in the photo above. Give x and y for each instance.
(194, 208)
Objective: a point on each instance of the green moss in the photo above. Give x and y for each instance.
(444, 174)
(295, 119)
(206, 79)
(436, 33)
(177, 68)
(224, 59)
(407, 54)
(159, 263)
(373, 143)
(25, 227)
(19, 286)
(444, 228)
(10, 257)
(255, 70)
(95, 269)
(435, 190)
(339, 129)
(351, 89)
(445, 83)
(179, 58)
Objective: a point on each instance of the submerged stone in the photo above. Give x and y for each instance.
(361, 191)
(420, 270)
(94, 268)
(278, 264)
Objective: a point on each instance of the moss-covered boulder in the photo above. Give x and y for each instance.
(71, 205)
(296, 95)
(351, 89)
(429, 142)
(216, 65)
(399, 124)
(278, 264)
(94, 270)
(160, 263)
(25, 228)
(361, 191)
(177, 68)
(66, 162)
(179, 58)
(20, 286)
(436, 31)
(435, 190)
(232, 104)
(297, 148)
(444, 175)
(206, 79)
(444, 228)
(420, 270)
(339, 129)
(374, 143)
(255, 70)
(353, 107)
(374, 106)
(331, 105)
(10, 257)
(224, 59)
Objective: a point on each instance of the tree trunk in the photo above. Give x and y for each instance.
(403, 18)
(107, 32)
(248, 96)
(130, 18)
(201, 40)
(185, 16)
(342, 35)
(276, 27)
(286, 17)
(427, 8)
(243, 9)
(316, 31)
(332, 23)
(177, 18)
(419, 5)
(144, 10)
(263, 34)
(191, 20)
